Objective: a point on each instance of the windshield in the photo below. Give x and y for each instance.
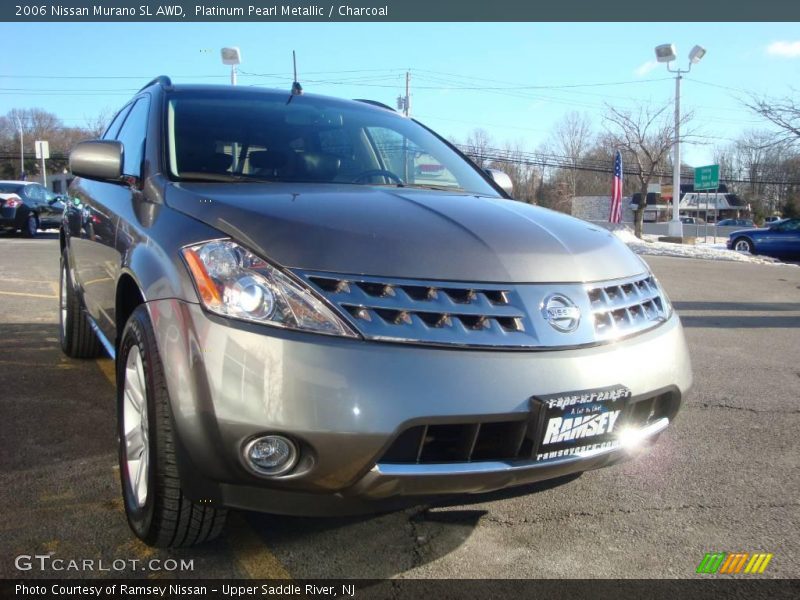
(224, 136)
(10, 188)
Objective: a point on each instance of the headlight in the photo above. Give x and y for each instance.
(233, 282)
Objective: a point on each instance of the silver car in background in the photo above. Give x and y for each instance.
(321, 307)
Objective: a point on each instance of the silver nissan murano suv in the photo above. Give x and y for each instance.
(320, 307)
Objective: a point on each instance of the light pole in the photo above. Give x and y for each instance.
(665, 53)
(233, 57)
(21, 149)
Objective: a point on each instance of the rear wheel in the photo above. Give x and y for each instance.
(744, 245)
(31, 226)
(78, 340)
(158, 511)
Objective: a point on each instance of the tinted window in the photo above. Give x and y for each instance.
(233, 135)
(35, 192)
(113, 129)
(132, 136)
(11, 188)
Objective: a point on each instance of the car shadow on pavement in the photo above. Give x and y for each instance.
(383, 545)
(740, 321)
(739, 306)
(739, 315)
(48, 398)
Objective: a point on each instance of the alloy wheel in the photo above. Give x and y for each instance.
(135, 427)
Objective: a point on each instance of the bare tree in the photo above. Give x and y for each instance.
(645, 135)
(524, 176)
(37, 124)
(477, 147)
(572, 138)
(783, 112)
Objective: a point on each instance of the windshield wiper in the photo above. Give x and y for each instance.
(432, 186)
(221, 177)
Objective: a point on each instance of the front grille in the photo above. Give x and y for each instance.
(627, 307)
(489, 314)
(431, 312)
(506, 440)
(459, 442)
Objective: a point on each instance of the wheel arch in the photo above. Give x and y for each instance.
(129, 296)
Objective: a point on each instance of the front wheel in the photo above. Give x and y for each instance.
(31, 226)
(158, 512)
(744, 245)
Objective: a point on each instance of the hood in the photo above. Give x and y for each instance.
(406, 233)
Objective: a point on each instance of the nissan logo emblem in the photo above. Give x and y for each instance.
(561, 313)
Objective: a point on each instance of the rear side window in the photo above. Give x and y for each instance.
(132, 135)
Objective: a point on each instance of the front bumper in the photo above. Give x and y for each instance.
(346, 400)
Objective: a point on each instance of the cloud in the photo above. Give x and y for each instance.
(784, 49)
(644, 68)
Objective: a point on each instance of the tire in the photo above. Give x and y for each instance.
(160, 514)
(30, 226)
(78, 339)
(743, 244)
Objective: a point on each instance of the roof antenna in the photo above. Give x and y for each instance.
(297, 89)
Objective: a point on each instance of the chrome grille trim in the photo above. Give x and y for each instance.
(489, 314)
(628, 306)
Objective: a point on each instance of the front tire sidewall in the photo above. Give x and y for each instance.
(140, 519)
(31, 225)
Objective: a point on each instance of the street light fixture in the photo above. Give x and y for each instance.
(233, 57)
(666, 53)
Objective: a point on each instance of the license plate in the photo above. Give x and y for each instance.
(578, 422)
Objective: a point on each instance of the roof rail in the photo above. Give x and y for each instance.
(161, 80)
(375, 103)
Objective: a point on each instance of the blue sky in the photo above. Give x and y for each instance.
(369, 60)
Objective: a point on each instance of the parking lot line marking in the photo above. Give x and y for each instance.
(108, 368)
(251, 553)
(29, 295)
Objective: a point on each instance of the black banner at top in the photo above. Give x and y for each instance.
(398, 10)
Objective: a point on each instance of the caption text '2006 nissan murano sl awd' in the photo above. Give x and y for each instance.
(320, 307)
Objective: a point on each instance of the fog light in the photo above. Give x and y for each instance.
(271, 454)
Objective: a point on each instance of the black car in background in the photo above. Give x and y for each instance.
(27, 206)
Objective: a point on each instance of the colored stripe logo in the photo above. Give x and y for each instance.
(731, 563)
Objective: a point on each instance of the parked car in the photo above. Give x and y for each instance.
(780, 240)
(300, 326)
(736, 223)
(27, 206)
(772, 219)
(692, 221)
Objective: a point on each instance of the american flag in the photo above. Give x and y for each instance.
(615, 216)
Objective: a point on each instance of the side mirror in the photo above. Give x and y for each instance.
(97, 159)
(502, 180)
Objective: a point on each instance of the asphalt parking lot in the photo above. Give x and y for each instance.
(725, 477)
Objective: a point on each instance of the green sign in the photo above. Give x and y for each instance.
(706, 178)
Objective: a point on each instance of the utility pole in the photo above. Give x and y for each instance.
(404, 102)
(408, 93)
